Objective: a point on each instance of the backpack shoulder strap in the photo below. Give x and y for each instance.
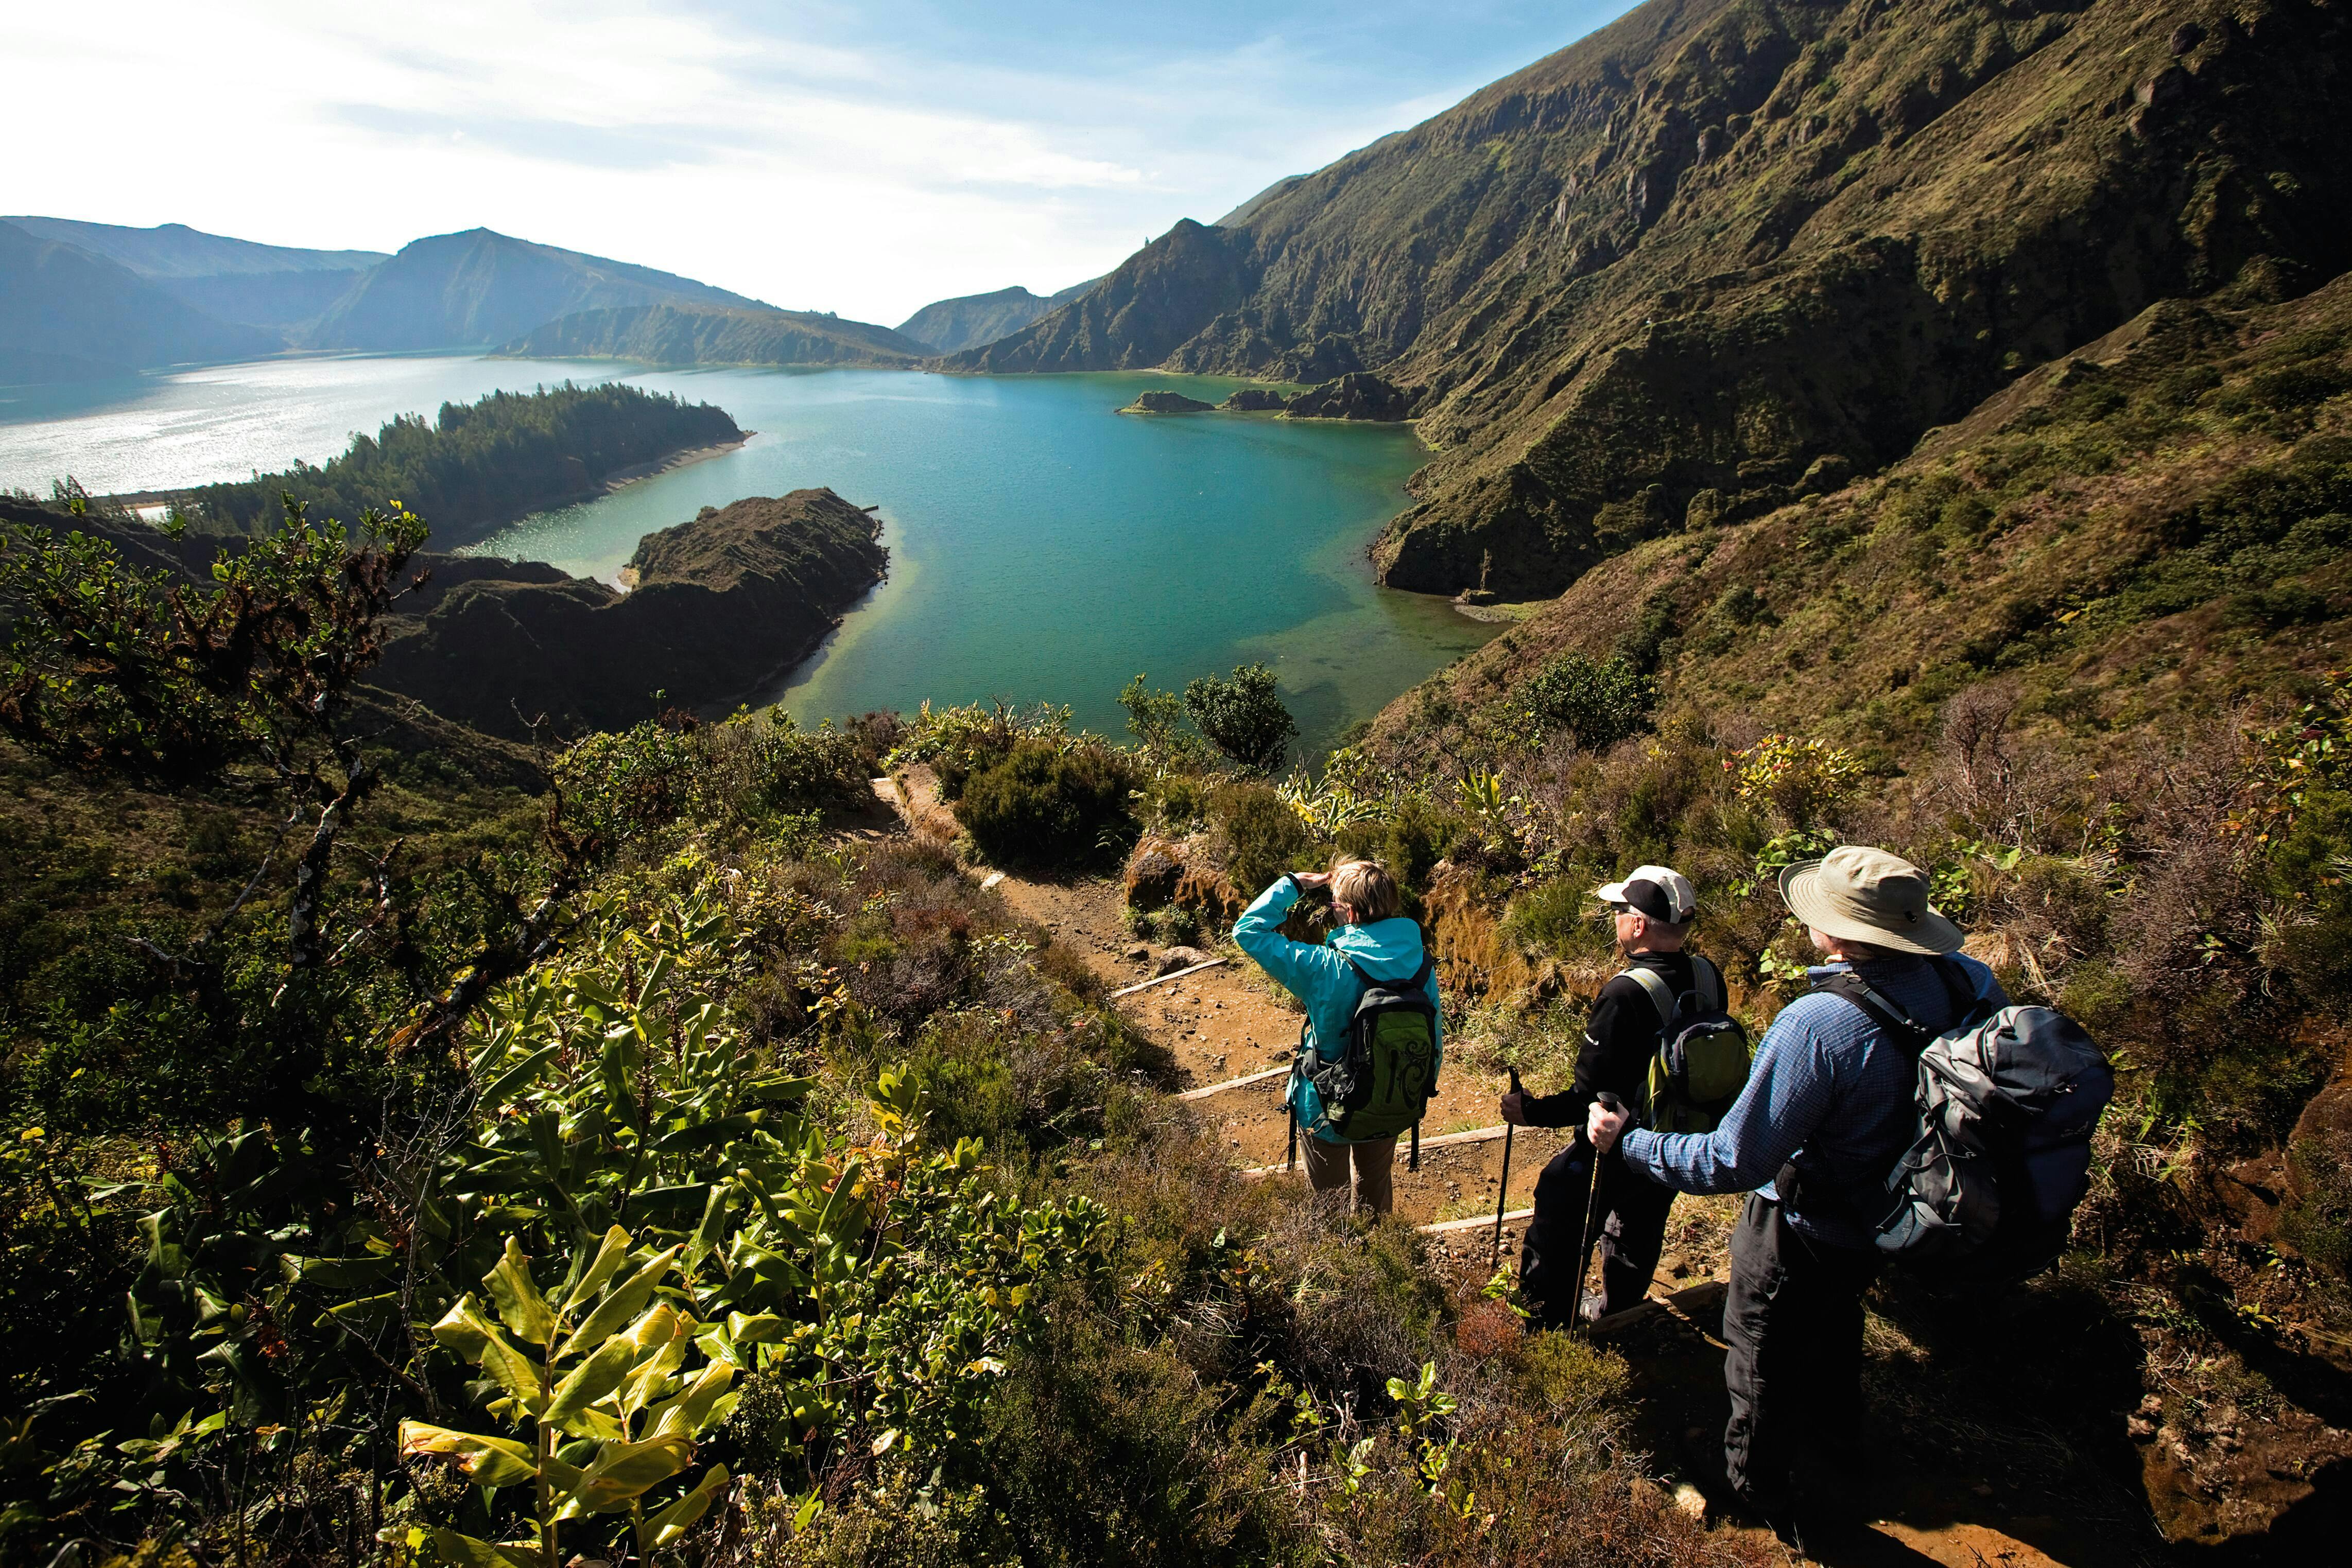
(1906, 1031)
(1968, 1007)
(1707, 980)
(1662, 996)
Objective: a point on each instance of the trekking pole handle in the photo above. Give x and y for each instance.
(1515, 1078)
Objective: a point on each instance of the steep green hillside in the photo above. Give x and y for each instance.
(464, 290)
(2121, 545)
(68, 315)
(701, 335)
(1720, 241)
(971, 321)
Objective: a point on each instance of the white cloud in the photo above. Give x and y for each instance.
(866, 177)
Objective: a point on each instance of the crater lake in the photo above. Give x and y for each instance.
(1044, 547)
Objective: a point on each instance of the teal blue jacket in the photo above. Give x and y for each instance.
(1321, 977)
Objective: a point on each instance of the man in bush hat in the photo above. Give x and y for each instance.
(1653, 909)
(1828, 1110)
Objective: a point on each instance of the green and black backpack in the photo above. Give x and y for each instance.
(1382, 1081)
(1703, 1054)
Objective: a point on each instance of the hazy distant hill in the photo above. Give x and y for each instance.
(697, 335)
(175, 250)
(1673, 267)
(480, 288)
(282, 287)
(68, 315)
(971, 321)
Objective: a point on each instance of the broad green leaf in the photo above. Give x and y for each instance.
(682, 1515)
(467, 1553)
(647, 1380)
(590, 1381)
(626, 1470)
(462, 1329)
(626, 1300)
(768, 1091)
(520, 1302)
(705, 1235)
(611, 1253)
(689, 1413)
(719, 1130)
(761, 1328)
(513, 1081)
(657, 1327)
(485, 1461)
(338, 1273)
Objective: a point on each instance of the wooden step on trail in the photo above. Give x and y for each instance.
(1242, 1083)
(1475, 1222)
(1163, 979)
(1444, 1140)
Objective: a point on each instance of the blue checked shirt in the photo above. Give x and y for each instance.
(1828, 1089)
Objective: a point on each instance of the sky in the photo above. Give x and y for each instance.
(859, 157)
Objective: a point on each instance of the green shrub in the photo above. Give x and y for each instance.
(2318, 1223)
(1243, 717)
(1558, 917)
(1042, 806)
(1597, 704)
(1264, 837)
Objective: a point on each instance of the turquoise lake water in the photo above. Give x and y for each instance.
(1043, 547)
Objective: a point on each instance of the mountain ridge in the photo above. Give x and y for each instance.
(1717, 241)
(671, 334)
(480, 288)
(972, 320)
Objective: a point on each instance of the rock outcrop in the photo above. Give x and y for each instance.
(723, 607)
(1168, 402)
(1357, 395)
(1254, 400)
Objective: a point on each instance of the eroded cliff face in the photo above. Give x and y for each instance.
(724, 605)
(1675, 266)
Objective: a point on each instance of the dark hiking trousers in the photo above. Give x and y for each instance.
(1633, 1229)
(1793, 1323)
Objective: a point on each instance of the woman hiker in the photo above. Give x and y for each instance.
(1370, 941)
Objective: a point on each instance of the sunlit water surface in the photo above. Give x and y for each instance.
(1042, 547)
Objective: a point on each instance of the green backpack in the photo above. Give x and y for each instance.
(1703, 1052)
(1380, 1084)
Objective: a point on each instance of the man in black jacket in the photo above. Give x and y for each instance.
(1654, 907)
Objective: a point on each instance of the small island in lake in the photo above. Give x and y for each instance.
(1168, 402)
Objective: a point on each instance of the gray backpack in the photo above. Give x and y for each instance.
(2002, 1156)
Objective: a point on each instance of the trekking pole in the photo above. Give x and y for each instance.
(1592, 1233)
(1291, 1116)
(1502, 1189)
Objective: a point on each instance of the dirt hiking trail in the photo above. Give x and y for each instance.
(1231, 1033)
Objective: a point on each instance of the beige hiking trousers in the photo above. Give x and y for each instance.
(1374, 1163)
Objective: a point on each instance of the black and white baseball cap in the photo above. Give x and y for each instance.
(1659, 891)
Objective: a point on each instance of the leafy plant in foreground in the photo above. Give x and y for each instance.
(611, 1410)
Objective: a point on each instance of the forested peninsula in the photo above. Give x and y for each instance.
(479, 465)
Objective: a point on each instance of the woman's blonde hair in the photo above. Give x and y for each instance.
(1367, 889)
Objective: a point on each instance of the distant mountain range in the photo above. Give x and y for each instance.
(84, 300)
(971, 321)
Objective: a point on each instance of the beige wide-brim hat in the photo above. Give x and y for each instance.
(1868, 895)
